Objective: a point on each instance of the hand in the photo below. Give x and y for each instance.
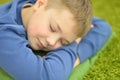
(78, 40)
(91, 26)
(77, 62)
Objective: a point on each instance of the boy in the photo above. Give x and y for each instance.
(16, 56)
(47, 17)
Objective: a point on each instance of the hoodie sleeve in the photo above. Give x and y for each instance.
(94, 40)
(22, 64)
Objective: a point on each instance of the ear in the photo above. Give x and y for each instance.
(39, 3)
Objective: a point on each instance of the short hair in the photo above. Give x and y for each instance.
(81, 10)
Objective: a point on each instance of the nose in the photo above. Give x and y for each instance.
(53, 44)
(51, 41)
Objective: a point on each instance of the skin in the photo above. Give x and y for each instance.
(48, 29)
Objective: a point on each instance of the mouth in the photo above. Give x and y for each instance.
(40, 44)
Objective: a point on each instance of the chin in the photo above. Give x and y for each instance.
(34, 47)
(45, 50)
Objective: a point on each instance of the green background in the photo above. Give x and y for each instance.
(107, 65)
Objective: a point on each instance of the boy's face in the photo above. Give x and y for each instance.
(50, 29)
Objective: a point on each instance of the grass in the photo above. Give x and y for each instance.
(4, 1)
(107, 66)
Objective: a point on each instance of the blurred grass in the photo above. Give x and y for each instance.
(4, 1)
(107, 66)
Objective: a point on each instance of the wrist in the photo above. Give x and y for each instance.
(77, 62)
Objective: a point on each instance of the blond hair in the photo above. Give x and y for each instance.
(81, 10)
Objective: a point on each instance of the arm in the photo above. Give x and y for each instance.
(94, 40)
(21, 63)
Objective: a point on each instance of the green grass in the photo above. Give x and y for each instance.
(107, 66)
(4, 1)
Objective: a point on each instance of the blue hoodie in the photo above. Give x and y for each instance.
(18, 60)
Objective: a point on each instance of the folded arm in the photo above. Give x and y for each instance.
(20, 62)
(94, 40)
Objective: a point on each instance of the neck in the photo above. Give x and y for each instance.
(26, 14)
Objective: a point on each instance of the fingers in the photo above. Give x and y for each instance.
(78, 40)
(77, 62)
(92, 26)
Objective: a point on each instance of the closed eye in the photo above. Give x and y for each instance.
(52, 29)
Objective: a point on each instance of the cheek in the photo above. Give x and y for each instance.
(32, 30)
(38, 25)
(37, 31)
(32, 27)
(34, 24)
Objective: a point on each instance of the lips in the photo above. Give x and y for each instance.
(40, 44)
